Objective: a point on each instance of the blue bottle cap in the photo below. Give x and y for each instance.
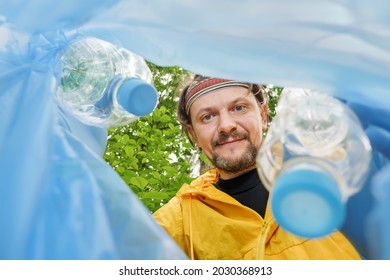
(137, 97)
(307, 203)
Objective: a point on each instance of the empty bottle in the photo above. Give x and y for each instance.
(314, 157)
(103, 84)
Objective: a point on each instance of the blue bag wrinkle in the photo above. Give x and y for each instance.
(367, 226)
(378, 225)
(23, 159)
(337, 47)
(42, 15)
(59, 198)
(87, 212)
(93, 137)
(359, 209)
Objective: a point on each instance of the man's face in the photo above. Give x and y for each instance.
(227, 125)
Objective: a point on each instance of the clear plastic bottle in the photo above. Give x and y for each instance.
(103, 84)
(314, 157)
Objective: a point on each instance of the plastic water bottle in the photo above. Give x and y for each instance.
(314, 157)
(103, 84)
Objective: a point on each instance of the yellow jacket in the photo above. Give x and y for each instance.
(209, 224)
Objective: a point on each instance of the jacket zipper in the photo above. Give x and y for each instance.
(262, 239)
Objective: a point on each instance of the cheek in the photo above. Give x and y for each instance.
(256, 134)
(204, 136)
(257, 138)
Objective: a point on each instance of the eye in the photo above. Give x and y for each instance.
(207, 117)
(239, 108)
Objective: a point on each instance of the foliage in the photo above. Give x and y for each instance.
(273, 94)
(152, 155)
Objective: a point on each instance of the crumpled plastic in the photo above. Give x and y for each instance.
(59, 199)
(339, 47)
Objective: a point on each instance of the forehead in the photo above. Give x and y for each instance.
(221, 98)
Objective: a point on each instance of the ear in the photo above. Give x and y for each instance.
(192, 133)
(264, 115)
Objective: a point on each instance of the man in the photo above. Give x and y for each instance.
(223, 214)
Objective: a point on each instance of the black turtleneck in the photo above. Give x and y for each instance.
(246, 189)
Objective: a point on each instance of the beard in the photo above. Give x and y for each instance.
(243, 162)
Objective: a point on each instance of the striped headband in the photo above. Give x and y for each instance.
(198, 88)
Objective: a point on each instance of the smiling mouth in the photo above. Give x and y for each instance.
(226, 139)
(229, 142)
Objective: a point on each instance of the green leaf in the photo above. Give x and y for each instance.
(170, 169)
(154, 181)
(139, 182)
(134, 165)
(156, 175)
(163, 109)
(120, 169)
(155, 195)
(129, 151)
(165, 118)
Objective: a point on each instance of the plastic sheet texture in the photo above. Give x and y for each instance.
(337, 46)
(54, 185)
(59, 199)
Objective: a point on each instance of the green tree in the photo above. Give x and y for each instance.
(273, 94)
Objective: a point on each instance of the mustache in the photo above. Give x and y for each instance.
(223, 137)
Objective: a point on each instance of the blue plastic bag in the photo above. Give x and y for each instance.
(368, 225)
(59, 199)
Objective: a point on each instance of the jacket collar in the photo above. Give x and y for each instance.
(204, 186)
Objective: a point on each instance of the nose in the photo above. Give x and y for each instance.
(226, 123)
